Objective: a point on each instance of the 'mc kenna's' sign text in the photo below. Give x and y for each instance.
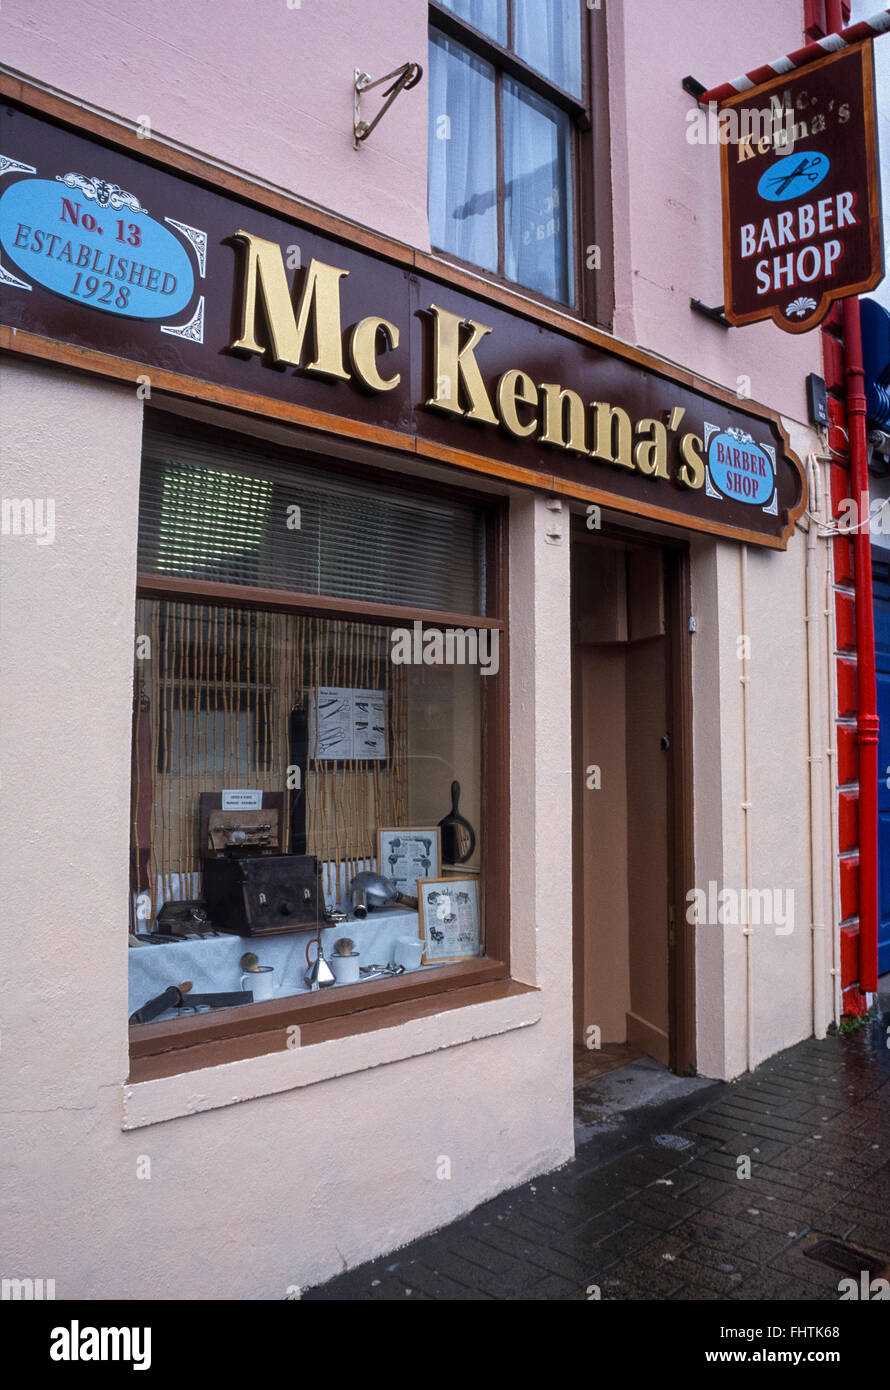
(548, 412)
(126, 266)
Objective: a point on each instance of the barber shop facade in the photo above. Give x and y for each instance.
(417, 664)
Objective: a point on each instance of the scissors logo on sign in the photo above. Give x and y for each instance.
(793, 176)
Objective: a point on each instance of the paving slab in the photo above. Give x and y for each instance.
(656, 1205)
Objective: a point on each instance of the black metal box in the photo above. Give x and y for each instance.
(264, 896)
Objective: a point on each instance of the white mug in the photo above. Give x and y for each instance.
(261, 981)
(346, 968)
(408, 952)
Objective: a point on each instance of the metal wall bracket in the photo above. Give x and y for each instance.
(406, 77)
(693, 87)
(714, 312)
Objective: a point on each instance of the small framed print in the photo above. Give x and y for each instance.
(407, 855)
(450, 918)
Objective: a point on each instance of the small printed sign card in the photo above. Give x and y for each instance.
(347, 724)
(407, 855)
(242, 800)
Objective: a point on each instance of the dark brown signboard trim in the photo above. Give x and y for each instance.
(123, 369)
(772, 312)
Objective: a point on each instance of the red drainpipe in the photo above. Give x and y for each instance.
(867, 716)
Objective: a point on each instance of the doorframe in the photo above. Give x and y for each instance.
(681, 782)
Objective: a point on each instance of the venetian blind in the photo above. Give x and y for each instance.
(237, 515)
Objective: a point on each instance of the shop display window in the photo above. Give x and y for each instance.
(312, 758)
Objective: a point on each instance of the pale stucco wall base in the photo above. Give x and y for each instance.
(755, 994)
(285, 1189)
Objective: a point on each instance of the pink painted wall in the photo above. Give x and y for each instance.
(268, 89)
(667, 214)
(261, 86)
(356, 1132)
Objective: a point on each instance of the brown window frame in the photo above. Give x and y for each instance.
(178, 1045)
(589, 162)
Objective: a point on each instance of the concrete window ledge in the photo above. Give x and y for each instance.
(438, 1025)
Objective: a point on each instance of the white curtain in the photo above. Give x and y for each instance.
(548, 38)
(538, 208)
(463, 158)
(489, 16)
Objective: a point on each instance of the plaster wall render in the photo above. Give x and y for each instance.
(752, 748)
(349, 1166)
(266, 88)
(666, 192)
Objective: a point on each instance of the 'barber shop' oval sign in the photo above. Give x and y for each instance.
(741, 470)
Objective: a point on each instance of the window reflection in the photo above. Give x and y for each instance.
(538, 212)
(463, 156)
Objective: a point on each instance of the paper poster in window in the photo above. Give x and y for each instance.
(408, 855)
(346, 724)
(450, 919)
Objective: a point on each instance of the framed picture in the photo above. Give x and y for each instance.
(450, 918)
(408, 855)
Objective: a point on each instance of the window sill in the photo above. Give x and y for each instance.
(511, 293)
(225, 1071)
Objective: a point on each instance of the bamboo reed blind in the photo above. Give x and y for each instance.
(216, 686)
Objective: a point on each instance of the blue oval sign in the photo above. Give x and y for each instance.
(75, 242)
(793, 176)
(741, 470)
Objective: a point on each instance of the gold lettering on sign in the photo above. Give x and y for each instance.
(265, 283)
(614, 434)
(516, 388)
(275, 322)
(455, 366)
(691, 472)
(650, 454)
(555, 401)
(320, 302)
(363, 352)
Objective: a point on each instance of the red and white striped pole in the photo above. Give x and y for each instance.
(832, 43)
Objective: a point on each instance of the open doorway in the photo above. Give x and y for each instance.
(632, 824)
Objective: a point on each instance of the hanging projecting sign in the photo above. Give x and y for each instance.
(208, 287)
(801, 219)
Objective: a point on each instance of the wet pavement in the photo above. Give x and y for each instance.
(656, 1204)
(622, 1109)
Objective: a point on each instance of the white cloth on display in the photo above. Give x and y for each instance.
(213, 966)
